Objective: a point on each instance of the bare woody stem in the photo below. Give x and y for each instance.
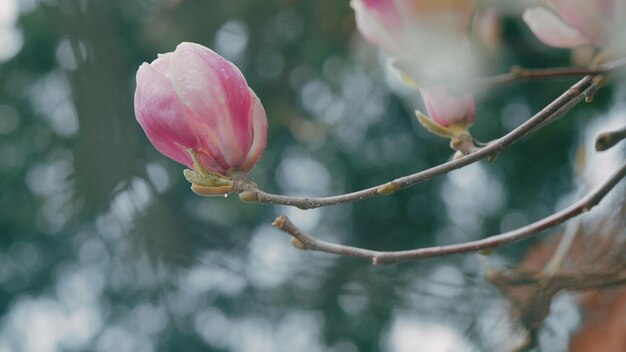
(520, 74)
(582, 90)
(580, 280)
(593, 198)
(607, 140)
(578, 92)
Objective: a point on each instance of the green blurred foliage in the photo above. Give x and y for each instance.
(84, 196)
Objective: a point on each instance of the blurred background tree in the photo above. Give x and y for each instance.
(104, 247)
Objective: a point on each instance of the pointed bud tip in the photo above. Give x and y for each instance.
(279, 222)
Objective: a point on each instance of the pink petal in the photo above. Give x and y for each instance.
(375, 29)
(162, 116)
(212, 163)
(589, 17)
(217, 94)
(447, 109)
(259, 120)
(385, 10)
(162, 64)
(551, 30)
(209, 152)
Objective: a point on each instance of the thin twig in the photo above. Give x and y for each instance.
(556, 261)
(584, 89)
(607, 140)
(520, 74)
(588, 97)
(581, 280)
(304, 241)
(557, 108)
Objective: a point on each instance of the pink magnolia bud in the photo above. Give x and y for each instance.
(573, 23)
(426, 38)
(446, 109)
(194, 99)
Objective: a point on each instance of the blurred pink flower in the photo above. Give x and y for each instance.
(425, 38)
(446, 109)
(573, 23)
(487, 27)
(193, 98)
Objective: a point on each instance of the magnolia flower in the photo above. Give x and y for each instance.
(573, 23)
(197, 109)
(448, 110)
(425, 38)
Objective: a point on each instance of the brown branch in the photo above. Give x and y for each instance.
(582, 90)
(577, 281)
(521, 74)
(607, 140)
(554, 110)
(307, 242)
(532, 304)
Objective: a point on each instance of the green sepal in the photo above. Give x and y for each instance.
(206, 179)
(453, 131)
(201, 177)
(433, 127)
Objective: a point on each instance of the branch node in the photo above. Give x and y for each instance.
(298, 244)
(249, 196)
(304, 241)
(599, 80)
(457, 155)
(574, 91)
(607, 140)
(387, 189)
(279, 223)
(604, 141)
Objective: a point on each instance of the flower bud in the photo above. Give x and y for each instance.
(446, 109)
(193, 102)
